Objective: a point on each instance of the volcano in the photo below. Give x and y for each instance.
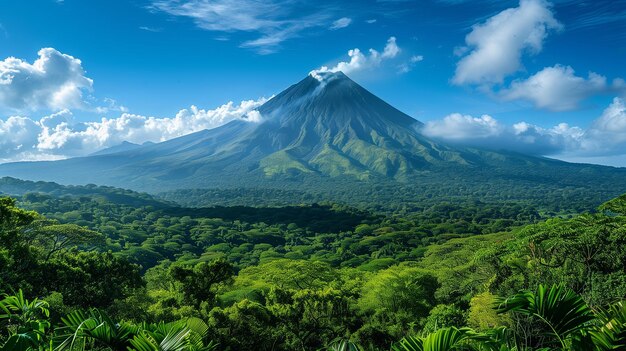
(322, 129)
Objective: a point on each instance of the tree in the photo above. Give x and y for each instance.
(482, 316)
(199, 283)
(57, 237)
(400, 289)
(17, 259)
(90, 279)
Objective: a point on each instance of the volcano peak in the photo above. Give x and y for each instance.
(325, 76)
(325, 96)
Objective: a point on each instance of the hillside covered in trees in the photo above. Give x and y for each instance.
(107, 269)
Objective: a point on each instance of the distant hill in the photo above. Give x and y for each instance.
(329, 137)
(124, 146)
(16, 187)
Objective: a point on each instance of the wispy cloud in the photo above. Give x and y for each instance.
(408, 66)
(274, 20)
(341, 23)
(585, 14)
(150, 29)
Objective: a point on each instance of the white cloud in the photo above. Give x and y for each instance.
(391, 49)
(17, 134)
(371, 21)
(417, 58)
(360, 61)
(53, 81)
(275, 20)
(150, 29)
(225, 15)
(57, 136)
(463, 127)
(408, 66)
(605, 137)
(341, 23)
(496, 46)
(487, 132)
(557, 88)
(607, 134)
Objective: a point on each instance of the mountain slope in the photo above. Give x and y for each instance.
(124, 146)
(317, 133)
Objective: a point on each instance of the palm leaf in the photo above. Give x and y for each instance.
(82, 329)
(21, 342)
(343, 345)
(409, 343)
(446, 339)
(561, 309)
(612, 334)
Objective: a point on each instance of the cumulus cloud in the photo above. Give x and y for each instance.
(495, 47)
(605, 136)
(558, 88)
(17, 134)
(487, 132)
(360, 61)
(53, 81)
(57, 136)
(463, 127)
(341, 23)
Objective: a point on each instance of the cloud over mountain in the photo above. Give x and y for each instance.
(58, 136)
(362, 61)
(605, 136)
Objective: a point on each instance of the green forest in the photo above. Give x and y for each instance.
(101, 268)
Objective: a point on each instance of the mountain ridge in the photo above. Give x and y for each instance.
(330, 132)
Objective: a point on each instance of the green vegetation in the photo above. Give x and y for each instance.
(94, 268)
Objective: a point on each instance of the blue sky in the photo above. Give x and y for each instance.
(474, 70)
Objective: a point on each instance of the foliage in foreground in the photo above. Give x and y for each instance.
(25, 326)
(560, 318)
